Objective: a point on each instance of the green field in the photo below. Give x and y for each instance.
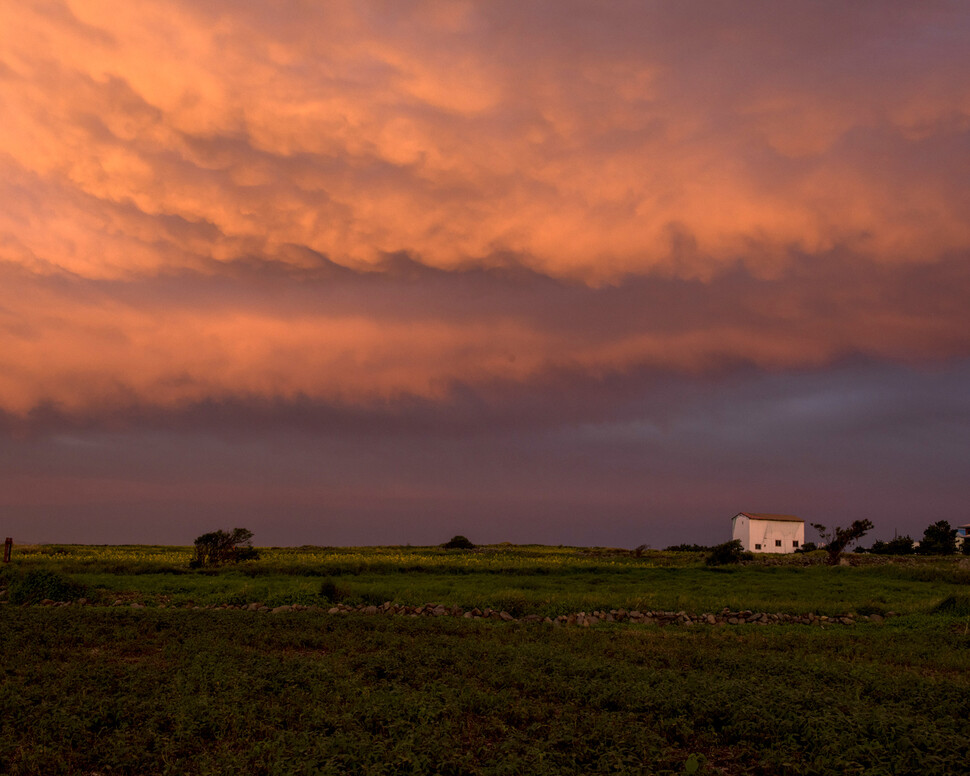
(523, 580)
(115, 689)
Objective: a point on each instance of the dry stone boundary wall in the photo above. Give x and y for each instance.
(580, 619)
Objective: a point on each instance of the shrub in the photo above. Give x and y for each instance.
(807, 547)
(458, 543)
(34, 586)
(729, 552)
(217, 547)
(689, 548)
(331, 592)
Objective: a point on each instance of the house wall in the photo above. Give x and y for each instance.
(741, 530)
(768, 534)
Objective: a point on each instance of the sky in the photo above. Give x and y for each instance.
(577, 273)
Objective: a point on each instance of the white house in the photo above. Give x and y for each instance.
(963, 531)
(759, 532)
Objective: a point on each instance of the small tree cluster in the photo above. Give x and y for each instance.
(938, 539)
(458, 543)
(837, 539)
(901, 545)
(217, 547)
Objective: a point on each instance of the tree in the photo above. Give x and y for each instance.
(458, 543)
(220, 546)
(901, 545)
(838, 539)
(938, 539)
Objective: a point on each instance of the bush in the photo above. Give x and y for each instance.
(458, 543)
(217, 547)
(34, 586)
(807, 547)
(729, 552)
(331, 592)
(688, 548)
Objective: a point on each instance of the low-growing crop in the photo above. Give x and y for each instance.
(210, 692)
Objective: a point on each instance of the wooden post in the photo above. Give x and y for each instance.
(7, 549)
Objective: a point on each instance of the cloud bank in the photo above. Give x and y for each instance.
(367, 203)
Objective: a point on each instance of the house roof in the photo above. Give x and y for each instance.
(776, 518)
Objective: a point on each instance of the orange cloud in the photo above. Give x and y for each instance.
(172, 139)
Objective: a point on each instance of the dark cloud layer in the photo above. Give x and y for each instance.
(668, 462)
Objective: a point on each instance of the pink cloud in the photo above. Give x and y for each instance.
(636, 145)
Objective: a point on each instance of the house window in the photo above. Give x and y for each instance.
(757, 546)
(794, 543)
(777, 542)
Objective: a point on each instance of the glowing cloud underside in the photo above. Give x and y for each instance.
(357, 203)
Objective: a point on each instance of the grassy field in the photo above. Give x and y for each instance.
(116, 690)
(523, 580)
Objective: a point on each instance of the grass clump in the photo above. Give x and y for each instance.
(333, 593)
(958, 605)
(39, 585)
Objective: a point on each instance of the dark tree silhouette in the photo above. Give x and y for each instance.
(217, 547)
(458, 543)
(901, 545)
(837, 539)
(938, 539)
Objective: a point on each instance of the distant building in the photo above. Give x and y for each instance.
(759, 532)
(962, 532)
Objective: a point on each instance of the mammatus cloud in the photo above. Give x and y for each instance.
(368, 204)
